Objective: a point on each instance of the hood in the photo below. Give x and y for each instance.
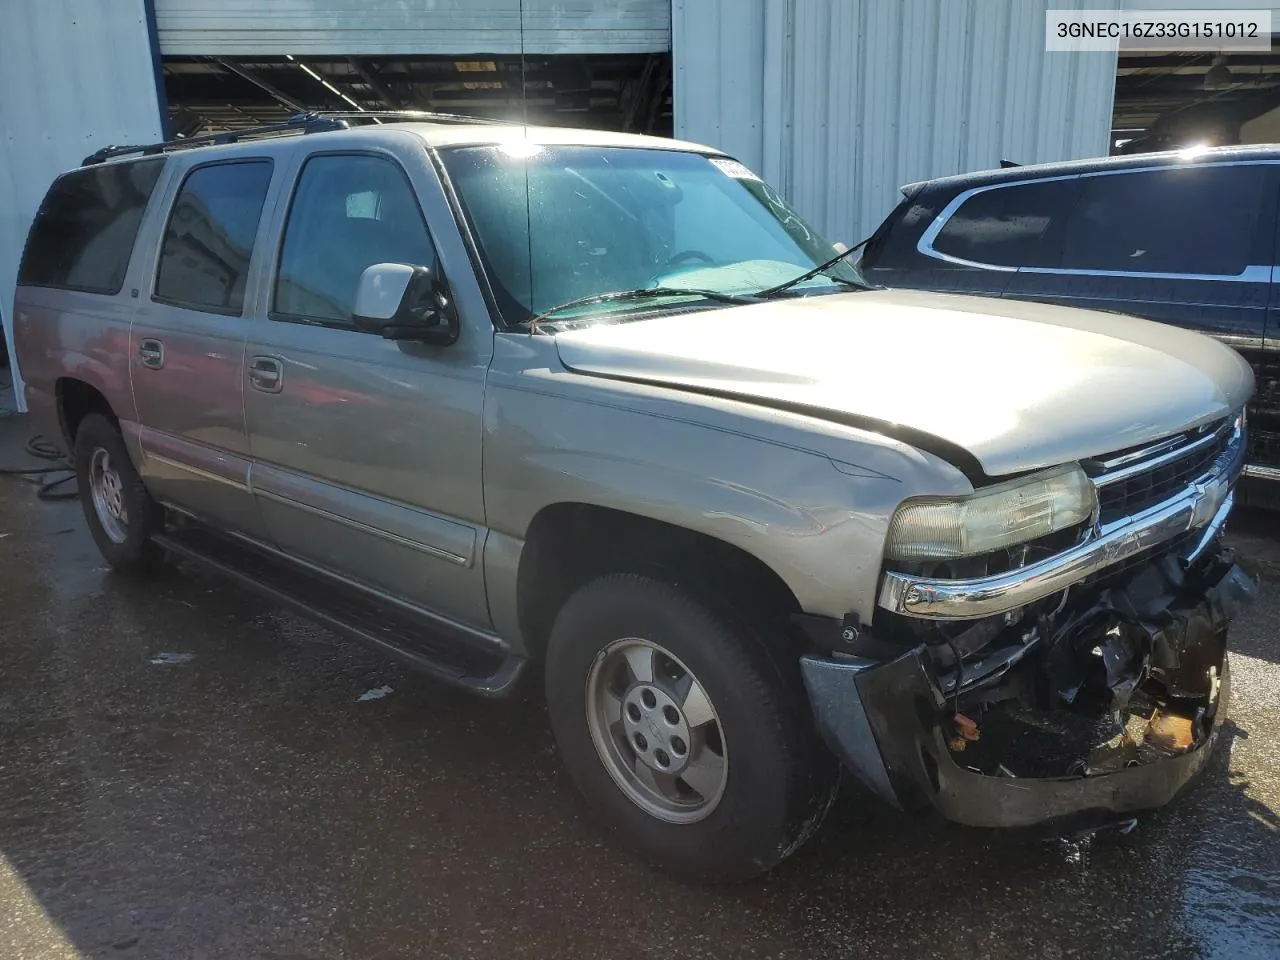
(1015, 385)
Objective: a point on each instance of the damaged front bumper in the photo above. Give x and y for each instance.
(1063, 718)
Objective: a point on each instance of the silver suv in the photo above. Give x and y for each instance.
(489, 396)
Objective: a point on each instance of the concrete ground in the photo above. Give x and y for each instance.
(187, 772)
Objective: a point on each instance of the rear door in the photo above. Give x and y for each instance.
(188, 342)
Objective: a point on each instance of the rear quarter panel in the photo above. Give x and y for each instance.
(83, 336)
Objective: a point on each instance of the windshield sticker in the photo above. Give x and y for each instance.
(734, 169)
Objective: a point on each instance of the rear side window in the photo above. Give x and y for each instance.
(348, 213)
(1021, 225)
(893, 245)
(204, 258)
(84, 231)
(1196, 220)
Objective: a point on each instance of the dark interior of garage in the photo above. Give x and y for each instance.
(625, 92)
(1172, 101)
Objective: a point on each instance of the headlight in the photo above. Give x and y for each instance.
(992, 518)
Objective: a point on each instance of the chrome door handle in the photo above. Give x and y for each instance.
(151, 353)
(266, 374)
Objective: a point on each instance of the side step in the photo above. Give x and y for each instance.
(425, 642)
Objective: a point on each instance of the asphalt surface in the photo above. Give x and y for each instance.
(187, 772)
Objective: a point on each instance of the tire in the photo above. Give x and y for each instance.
(125, 540)
(777, 781)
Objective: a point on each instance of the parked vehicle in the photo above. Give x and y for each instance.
(486, 395)
(1184, 237)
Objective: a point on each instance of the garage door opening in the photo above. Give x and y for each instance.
(623, 92)
(1175, 101)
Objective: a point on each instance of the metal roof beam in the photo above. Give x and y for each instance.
(365, 73)
(273, 92)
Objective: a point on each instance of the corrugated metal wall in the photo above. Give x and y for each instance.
(248, 27)
(75, 75)
(840, 102)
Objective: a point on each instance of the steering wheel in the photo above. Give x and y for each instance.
(684, 255)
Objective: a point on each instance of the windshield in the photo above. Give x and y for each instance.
(595, 220)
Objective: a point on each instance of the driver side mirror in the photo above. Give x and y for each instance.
(402, 302)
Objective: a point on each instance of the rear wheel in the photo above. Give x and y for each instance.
(684, 731)
(121, 514)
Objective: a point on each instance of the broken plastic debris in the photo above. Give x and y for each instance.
(160, 659)
(377, 693)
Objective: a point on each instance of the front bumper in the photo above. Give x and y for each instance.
(891, 722)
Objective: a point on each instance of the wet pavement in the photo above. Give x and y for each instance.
(187, 772)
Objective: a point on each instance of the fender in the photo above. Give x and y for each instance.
(819, 524)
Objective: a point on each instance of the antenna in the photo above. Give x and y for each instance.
(528, 204)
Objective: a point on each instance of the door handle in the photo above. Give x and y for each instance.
(266, 374)
(151, 353)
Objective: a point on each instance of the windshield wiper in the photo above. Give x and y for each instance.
(768, 292)
(643, 293)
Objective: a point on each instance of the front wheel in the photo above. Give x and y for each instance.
(683, 731)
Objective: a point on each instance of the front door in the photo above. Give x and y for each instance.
(187, 345)
(366, 450)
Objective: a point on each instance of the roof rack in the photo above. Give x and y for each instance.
(303, 123)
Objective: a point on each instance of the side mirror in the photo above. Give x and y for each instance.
(402, 302)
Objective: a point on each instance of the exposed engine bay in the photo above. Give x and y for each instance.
(1093, 702)
(1129, 674)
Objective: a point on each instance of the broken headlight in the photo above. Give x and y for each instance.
(993, 518)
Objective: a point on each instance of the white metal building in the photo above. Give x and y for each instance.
(837, 102)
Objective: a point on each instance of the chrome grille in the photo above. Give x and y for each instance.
(1131, 481)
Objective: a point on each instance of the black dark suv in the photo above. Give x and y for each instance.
(1187, 238)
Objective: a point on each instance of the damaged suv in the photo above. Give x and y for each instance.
(487, 396)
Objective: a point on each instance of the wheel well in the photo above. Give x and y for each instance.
(569, 544)
(76, 400)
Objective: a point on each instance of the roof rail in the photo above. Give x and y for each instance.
(302, 123)
(314, 122)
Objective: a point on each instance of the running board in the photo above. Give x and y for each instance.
(422, 641)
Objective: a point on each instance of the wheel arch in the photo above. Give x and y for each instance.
(570, 543)
(77, 399)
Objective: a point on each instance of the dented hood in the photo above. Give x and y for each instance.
(1017, 385)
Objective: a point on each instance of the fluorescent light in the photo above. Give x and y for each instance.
(327, 85)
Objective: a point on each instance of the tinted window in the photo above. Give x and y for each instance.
(204, 260)
(84, 231)
(1014, 226)
(348, 213)
(1180, 220)
(893, 246)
